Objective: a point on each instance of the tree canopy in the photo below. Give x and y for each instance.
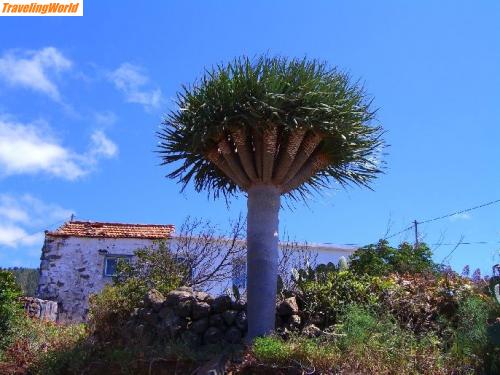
(290, 96)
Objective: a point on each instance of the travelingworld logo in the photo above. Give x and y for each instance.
(41, 8)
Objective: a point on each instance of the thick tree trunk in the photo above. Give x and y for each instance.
(262, 258)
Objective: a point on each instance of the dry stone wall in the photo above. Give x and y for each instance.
(196, 318)
(40, 309)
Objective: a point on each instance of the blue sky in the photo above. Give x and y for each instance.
(82, 97)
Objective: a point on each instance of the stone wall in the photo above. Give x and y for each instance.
(194, 317)
(40, 309)
(72, 268)
(197, 318)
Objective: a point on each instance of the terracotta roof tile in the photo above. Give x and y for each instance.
(112, 230)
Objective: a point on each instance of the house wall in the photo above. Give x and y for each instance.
(72, 268)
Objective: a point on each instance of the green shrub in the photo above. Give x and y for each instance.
(422, 302)
(151, 269)
(364, 342)
(10, 308)
(470, 343)
(377, 342)
(382, 259)
(326, 293)
(154, 268)
(110, 308)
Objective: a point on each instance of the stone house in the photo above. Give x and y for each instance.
(80, 257)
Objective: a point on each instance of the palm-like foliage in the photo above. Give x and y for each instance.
(297, 124)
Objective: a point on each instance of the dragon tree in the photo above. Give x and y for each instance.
(270, 127)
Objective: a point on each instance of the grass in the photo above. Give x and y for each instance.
(364, 344)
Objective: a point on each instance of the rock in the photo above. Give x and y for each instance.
(216, 321)
(134, 314)
(284, 333)
(238, 305)
(229, 316)
(311, 331)
(212, 336)
(278, 322)
(150, 317)
(165, 312)
(288, 307)
(204, 297)
(241, 321)
(191, 339)
(139, 330)
(200, 310)
(168, 316)
(221, 304)
(154, 299)
(184, 308)
(294, 322)
(171, 324)
(199, 326)
(176, 296)
(185, 289)
(128, 330)
(317, 320)
(233, 335)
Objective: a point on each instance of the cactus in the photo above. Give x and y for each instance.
(343, 265)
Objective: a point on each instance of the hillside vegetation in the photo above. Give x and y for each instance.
(385, 311)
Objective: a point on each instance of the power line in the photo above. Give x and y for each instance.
(452, 250)
(444, 244)
(459, 212)
(401, 231)
(466, 243)
(415, 223)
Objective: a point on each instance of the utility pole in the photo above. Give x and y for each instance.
(415, 223)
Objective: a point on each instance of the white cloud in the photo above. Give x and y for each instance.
(106, 118)
(14, 236)
(102, 145)
(30, 148)
(31, 216)
(34, 69)
(26, 148)
(10, 210)
(458, 217)
(130, 80)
